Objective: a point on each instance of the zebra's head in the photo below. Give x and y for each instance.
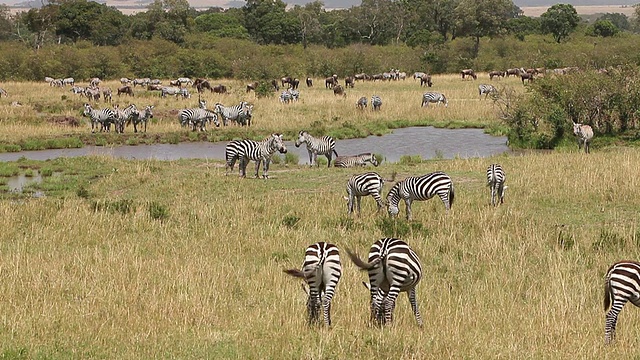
(87, 109)
(149, 111)
(374, 160)
(302, 138)
(278, 143)
(393, 199)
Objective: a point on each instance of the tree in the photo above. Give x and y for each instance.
(268, 22)
(478, 18)
(621, 21)
(41, 23)
(523, 25)
(603, 28)
(89, 20)
(6, 23)
(309, 19)
(221, 25)
(559, 20)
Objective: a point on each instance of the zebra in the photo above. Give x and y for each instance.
(321, 271)
(366, 184)
(141, 82)
(361, 103)
(495, 180)
(285, 97)
(246, 150)
(166, 90)
(141, 117)
(198, 117)
(487, 90)
(434, 97)
(420, 188)
(124, 116)
(92, 93)
(103, 116)
(393, 268)
(325, 145)
(621, 284)
(68, 81)
(241, 113)
(376, 102)
(77, 90)
(107, 94)
(295, 94)
(584, 134)
(356, 160)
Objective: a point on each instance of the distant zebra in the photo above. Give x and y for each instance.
(393, 268)
(376, 102)
(621, 284)
(366, 184)
(426, 79)
(355, 160)
(584, 134)
(123, 116)
(92, 93)
(241, 113)
(434, 97)
(325, 145)
(198, 117)
(141, 82)
(107, 94)
(103, 116)
(166, 90)
(77, 90)
(420, 188)
(141, 117)
(495, 180)
(321, 271)
(246, 150)
(487, 90)
(285, 97)
(361, 103)
(68, 81)
(94, 82)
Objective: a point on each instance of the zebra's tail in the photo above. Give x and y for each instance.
(451, 195)
(335, 152)
(361, 263)
(608, 294)
(295, 273)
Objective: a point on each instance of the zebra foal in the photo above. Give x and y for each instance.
(584, 134)
(393, 268)
(366, 184)
(495, 180)
(420, 188)
(621, 284)
(321, 271)
(356, 160)
(325, 145)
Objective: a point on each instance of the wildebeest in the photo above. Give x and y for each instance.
(125, 90)
(220, 89)
(526, 76)
(361, 76)
(513, 71)
(275, 85)
(252, 86)
(496, 73)
(349, 81)
(330, 82)
(154, 87)
(468, 72)
(426, 79)
(309, 82)
(201, 84)
(339, 90)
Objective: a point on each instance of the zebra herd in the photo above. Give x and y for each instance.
(119, 118)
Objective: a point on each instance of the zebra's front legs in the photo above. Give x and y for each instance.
(407, 202)
(243, 166)
(329, 156)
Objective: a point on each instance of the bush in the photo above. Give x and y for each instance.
(158, 211)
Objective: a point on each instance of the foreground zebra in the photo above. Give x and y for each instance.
(584, 134)
(241, 113)
(420, 188)
(495, 181)
(198, 117)
(356, 160)
(376, 102)
(103, 116)
(487, 90)
(317, 146)
(364, 185)
(434, 97)
(621, 284)
(321, 271)
(393, 268)
(246, 150)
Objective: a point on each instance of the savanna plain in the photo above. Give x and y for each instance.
(134, 259)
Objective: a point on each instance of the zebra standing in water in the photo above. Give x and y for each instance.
(321, 271)
(421, 188)
(495, 180)
(198, 117)
(584, 134)
(364, 185)
(434, 97)
(393, 268)
(246, 150)
(103, 116)
(487, 90)
(356, 160)
(621, 284)
(376, 102)
(317, 146)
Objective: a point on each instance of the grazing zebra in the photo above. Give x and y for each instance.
(68, 81)
(92, 93)
(77, 90)
(246, 150)
(48, 79)
(141, 82)
(321, 271)
(141, 117)
(325, 145)
(175, 91)
(355, 160)
(495, 180)
(487, 90)
(364, 185)
(434, 97)
(621, 284)
(420, 188)
(124, 116)
(376, 102)
(125, 81)
(584, 134)
(103, 116)
(94, 82)
(393, 268)
(241, 113)
(361, 103)
(198, 117)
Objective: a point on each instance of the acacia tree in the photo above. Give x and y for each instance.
(559, 20)
(478, 18)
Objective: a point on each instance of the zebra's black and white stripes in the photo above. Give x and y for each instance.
(621, 284)
(241, 113)
(584, 134)
(356, 160)
(495, 180)
(142, 117)
(361, 103)
(325, 145)
(321, 271)
(420, 188)
(366, 184)
(434, 97)
(102, 116)
(486, 90)
(246, 150)
(124, 116)
(393, 268)
(376, 102)
(198, 117)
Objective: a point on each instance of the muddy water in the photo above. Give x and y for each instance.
(428, 142)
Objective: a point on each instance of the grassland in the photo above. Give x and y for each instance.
(52, 117)
(151, 259)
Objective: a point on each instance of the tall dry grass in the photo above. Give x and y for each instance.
(522, 280)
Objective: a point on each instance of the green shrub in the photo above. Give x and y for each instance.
(290, 221)
(158, 211)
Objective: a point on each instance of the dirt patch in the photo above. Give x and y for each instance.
(64, 121)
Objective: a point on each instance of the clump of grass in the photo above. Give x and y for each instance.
(29, 173)
(290, 221)
(83, 192)
(9, 169)
(609, 240)
(158, 211)
(123, 206)
(291, 159)
(47, 171)
(410, 160)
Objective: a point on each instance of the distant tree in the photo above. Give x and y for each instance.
(559, 20)
(41, 23)
(6, 23)
(478, 18)
(523, 25)
(89, 20)
(621, 21)
(221, 25)
(269, 23)
(603, 28)
(309, 19)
